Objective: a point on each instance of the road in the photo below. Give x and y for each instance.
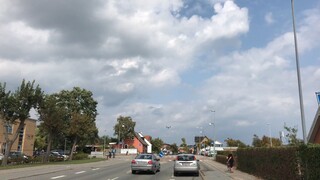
(113, 169)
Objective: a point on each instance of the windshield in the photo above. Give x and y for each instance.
(186, 158)
(144, 156)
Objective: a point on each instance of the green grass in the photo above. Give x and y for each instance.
(51, 163)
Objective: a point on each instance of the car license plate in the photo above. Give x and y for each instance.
(186, 164)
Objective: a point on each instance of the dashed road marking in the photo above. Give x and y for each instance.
(80, 172)
(57, 177)
(95, 169)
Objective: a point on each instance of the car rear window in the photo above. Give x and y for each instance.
(186, 158)
(144, 157)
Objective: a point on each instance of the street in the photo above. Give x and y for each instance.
(119, 169)
(112, 169)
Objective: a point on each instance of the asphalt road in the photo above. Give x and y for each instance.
(114, 169)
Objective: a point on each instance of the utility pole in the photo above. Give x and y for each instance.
(298, 75)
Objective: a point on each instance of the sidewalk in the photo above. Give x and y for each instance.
(215, 170)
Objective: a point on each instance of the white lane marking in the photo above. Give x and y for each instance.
(57, 177)
(114, 178)
(95, 169)
(80, 172)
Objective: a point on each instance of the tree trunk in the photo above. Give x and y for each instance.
(46, 156)
(6, 154)
(73, 148)
(9, 142)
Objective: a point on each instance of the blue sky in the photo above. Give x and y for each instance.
(169, 63)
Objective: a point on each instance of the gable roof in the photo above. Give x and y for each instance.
(314, 133)
(141, 139)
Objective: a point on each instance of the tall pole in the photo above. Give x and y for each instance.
(214, 134)
(298, 75)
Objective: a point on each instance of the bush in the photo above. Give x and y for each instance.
(310, 161)
(80, 156)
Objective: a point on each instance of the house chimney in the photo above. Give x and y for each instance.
(148, 138)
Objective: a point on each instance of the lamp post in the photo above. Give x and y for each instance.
(120, 125)
(214, 134)
(298, 75)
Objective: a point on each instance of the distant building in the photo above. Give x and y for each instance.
(140, 142)
(25, 140)
(314, 134)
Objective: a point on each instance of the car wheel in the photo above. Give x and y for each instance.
(133, 171)
(197, 174)
(175, 173)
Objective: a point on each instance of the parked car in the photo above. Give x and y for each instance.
(65, 157)
(1, 156)
(145, 163)
(55, 156)
(18, 157)
(186, 163)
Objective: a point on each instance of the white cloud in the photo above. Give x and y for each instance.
(269, 18)
(137, 55)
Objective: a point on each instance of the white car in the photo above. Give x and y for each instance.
(1, 156)
(186, 163)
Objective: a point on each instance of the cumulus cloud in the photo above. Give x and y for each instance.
(134, 57)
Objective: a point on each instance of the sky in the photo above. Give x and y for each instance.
(181, 64)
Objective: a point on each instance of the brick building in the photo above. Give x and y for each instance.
(25, 140)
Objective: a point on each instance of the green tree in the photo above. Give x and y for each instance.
(156, 145)
(52, 117)
(235, 143)
(292, 136)
(184, 145)
(174, 148)
(256, 142)
(81, 111)
(124, 128)
(265, 141)
(40, 140)
(15, 109)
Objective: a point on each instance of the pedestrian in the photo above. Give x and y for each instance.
(109, 154)
(230, 161)
(113, 153)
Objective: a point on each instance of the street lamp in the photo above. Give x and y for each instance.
(298, 75)
(119, 133)
(214, 134)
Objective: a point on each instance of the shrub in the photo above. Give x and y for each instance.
(80, 156)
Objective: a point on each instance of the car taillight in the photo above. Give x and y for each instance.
(194, 158)
(149, 162)
(133, 162)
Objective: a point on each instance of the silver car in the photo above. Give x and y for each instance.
(146, 163)
(186, 163)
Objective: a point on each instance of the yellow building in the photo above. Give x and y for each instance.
(25, 140)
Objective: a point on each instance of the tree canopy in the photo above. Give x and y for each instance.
(124, 128)
(15, 109)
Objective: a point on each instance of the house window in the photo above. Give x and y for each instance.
(9, 128)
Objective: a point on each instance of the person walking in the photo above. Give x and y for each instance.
(230, 161)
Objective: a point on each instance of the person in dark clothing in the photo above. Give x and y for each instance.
(230, 161)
